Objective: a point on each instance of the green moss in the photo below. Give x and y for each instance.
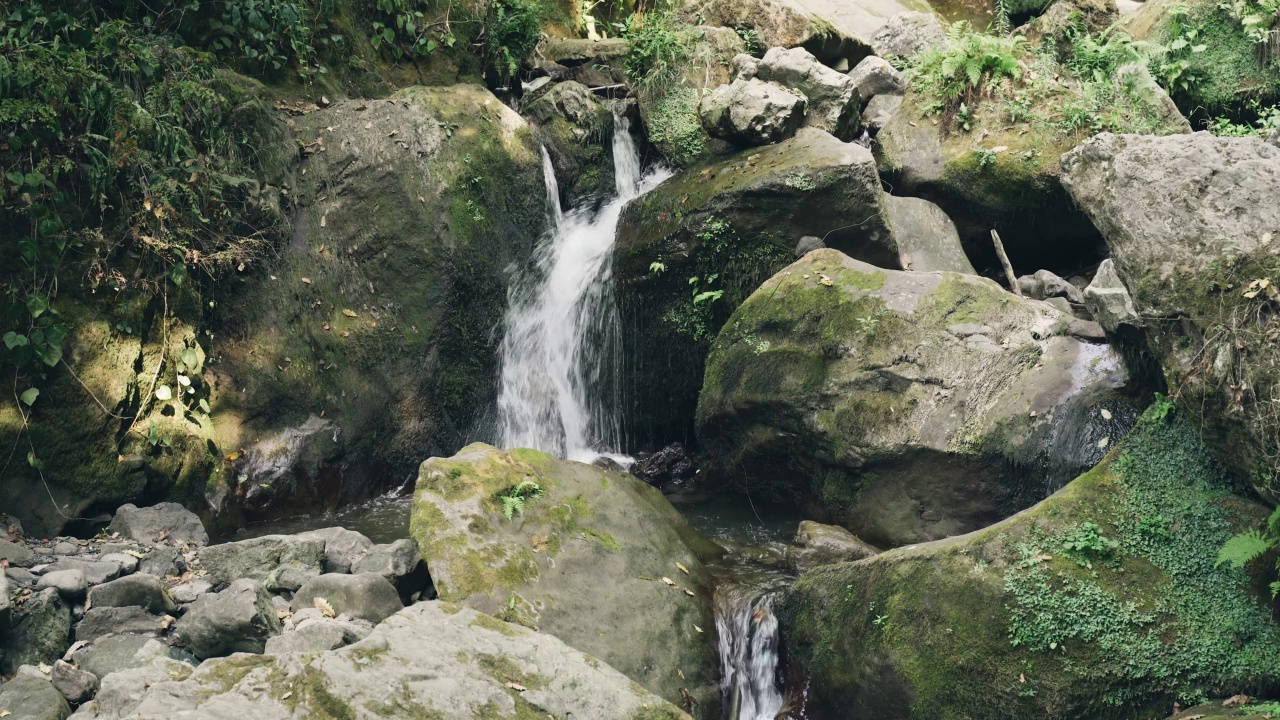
(309, 691)
(505, 670)
(1005, 623)
(490, 623)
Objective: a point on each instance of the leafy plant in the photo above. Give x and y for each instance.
(513, 498)
(654, 47)
(985, 157)
(1085, 544)
(1253, 544)
(970, 65)
(512, 31)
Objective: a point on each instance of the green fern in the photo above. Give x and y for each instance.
(513, 498)
(512, 504)
(1244, 548)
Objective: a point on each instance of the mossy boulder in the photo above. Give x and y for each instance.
(596, 558)
(1004, 175)
(1229, 73)
(726, 228)
(577, 131)
(669, 106)
(1191, 221)
(432, 661)
(369, 339)
(905, 406)
(1104, 601)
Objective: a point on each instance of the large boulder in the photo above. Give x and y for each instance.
(596, 558)
(160, 523)
(27, 697)
(140, 590)
(430, 660)
(908, 34)
(259, 557)
(721, 231)
(117, 653)
(816, 544)
(577, 130)
(875, 76)
(834, 104)
(132, 620)
(1191, 222)
(40, 633)
(906, 406)
(833, 32)
(343, 548)
(752, 112)
(428, 194)
(238, 619)
(1004, 175)
(1104, 601)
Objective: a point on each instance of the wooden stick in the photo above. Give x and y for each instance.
(1004, 260)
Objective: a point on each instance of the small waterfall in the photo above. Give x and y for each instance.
(559, 380)
(751, 688)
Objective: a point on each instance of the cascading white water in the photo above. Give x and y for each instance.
(748, 636)
(558, 391)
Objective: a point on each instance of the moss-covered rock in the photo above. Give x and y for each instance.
(576, 129)
(1003, 175)
(1230, 72)
(905, 406)
(1103, 601)
(596, 558)
(833, 32)
(431, 661)
(368, 341)
(726, 228)
(1191, 222)
(669, 106)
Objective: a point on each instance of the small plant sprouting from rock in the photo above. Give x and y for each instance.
(513, 498)
(1252, 544)
(1086, 544)
(985, 156)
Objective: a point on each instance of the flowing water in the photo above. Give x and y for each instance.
(559, 351)
(751, 683)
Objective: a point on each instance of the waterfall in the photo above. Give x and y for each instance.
(748, 630)
(559, 351)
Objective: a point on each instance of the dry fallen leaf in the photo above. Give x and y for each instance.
(1105, 413)
(695, 627)
(689, 592)
(324, 607)
(306, 281)
(517, 686)
(349, 313)
(683, 569)
(680, 673)
(668, 581)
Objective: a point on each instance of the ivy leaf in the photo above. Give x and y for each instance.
(204, 405)
(34, 461)
(188, 358)
(36, 305)
(13, 340)
(29, 397)
(164, 393)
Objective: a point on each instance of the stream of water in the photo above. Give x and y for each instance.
(559, 352)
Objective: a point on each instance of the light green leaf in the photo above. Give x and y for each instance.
(29, 397)
(164, 393)
(183, 380)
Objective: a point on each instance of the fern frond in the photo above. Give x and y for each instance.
(1244, 548)
(1273, 522)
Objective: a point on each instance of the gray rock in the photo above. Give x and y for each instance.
(6, 607)
(257, 558)
(40, 635)
(380, 676)
(128, 563)
(576, 129)
(1108, 299)
(100, 621)
(834, 103)
(163, 562)
(400, 563)
(368, 597)
(165, 522)
(120, 693)
(1044, 285)
(907, 34)
(342, 547)
(21, 576)
(187, 592)
(238, 619)
(76, 685)
(95, 572)
(1274, 138)
(807, 244)
(880, 111)
(751, 112)
(926, 238)
(17, 554)
(70, 584)
(139, 590)
(875, 76)
(287, 578)
(354, 629)
(900, 453)
(117, 653)
(816, 544)
(318, 634)
(65, 547)
(31, 698)
(1192, 223)
(745, 66)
